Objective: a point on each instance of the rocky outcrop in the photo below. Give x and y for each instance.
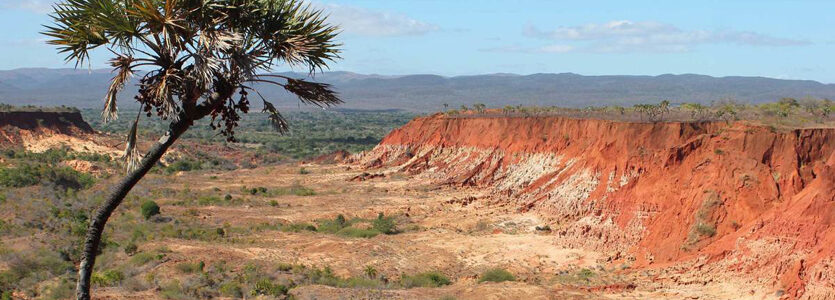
(732, 199)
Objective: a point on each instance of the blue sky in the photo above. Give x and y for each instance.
(780, 39)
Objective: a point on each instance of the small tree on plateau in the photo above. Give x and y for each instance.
(199, 59)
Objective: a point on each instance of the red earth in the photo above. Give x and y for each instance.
(714, 199)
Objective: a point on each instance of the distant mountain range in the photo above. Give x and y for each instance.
(85, 89)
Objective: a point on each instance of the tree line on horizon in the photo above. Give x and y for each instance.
(803, 110)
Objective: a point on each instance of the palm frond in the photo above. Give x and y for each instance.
(169, 108)
(82, 25)
(122, 65)
(218, 40)
(131, 156)
(298, 34)
(315, 93)
(276, 119)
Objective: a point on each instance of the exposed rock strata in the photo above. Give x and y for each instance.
(712, 198)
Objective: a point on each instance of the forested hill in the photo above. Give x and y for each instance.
(85, 88)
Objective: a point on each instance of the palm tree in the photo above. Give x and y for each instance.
(195, 59)
(370, 272)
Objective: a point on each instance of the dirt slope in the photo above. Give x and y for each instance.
(40, 131)
(700, 201)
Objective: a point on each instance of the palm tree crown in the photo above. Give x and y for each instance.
(199, 57)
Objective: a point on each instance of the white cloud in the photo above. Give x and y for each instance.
(365, 22)
(648, 36)
(555, 49)
(543, 49)
(602, 31)
(37, 6)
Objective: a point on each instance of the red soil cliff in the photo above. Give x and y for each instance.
(709, 198)
(40, 123)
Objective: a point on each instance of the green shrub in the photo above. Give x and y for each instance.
(340, 221)
(265, 286)
(65, 289)
(183, 165)
(209, 200)
(149, 209)
(706, 229)
(28, 175)
(172, 290)
(231, 289)
(131, 248)
(360, 282)
(332, 226)
(284, 267)
(426, 279)
(297, 227)
(142, 258)
(496, 275)
(107, 278)
(585, 274)
(384, 224)
(22, 269)
(189, 267)
(370, 272)
(18, 177)
(302, 191)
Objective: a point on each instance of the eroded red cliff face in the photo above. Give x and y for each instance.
(717, 198)
(40, 123)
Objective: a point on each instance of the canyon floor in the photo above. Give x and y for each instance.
(456, 231)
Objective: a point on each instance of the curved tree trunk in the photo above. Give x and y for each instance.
(96, 227)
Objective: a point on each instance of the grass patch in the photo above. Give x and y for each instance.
(703, 227)
(231, 289)
(294, 189)
(32, 174)
(267, 287)
(298, 227)
(707, 230)
(357, 232)
(385, 224)
(496, 275)
(184, 165)
(425, 279)
(582, 276)
(325, 276)
(302, 191)
(142, 258)
(189, 267)
(107, 278)
(344, 227)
